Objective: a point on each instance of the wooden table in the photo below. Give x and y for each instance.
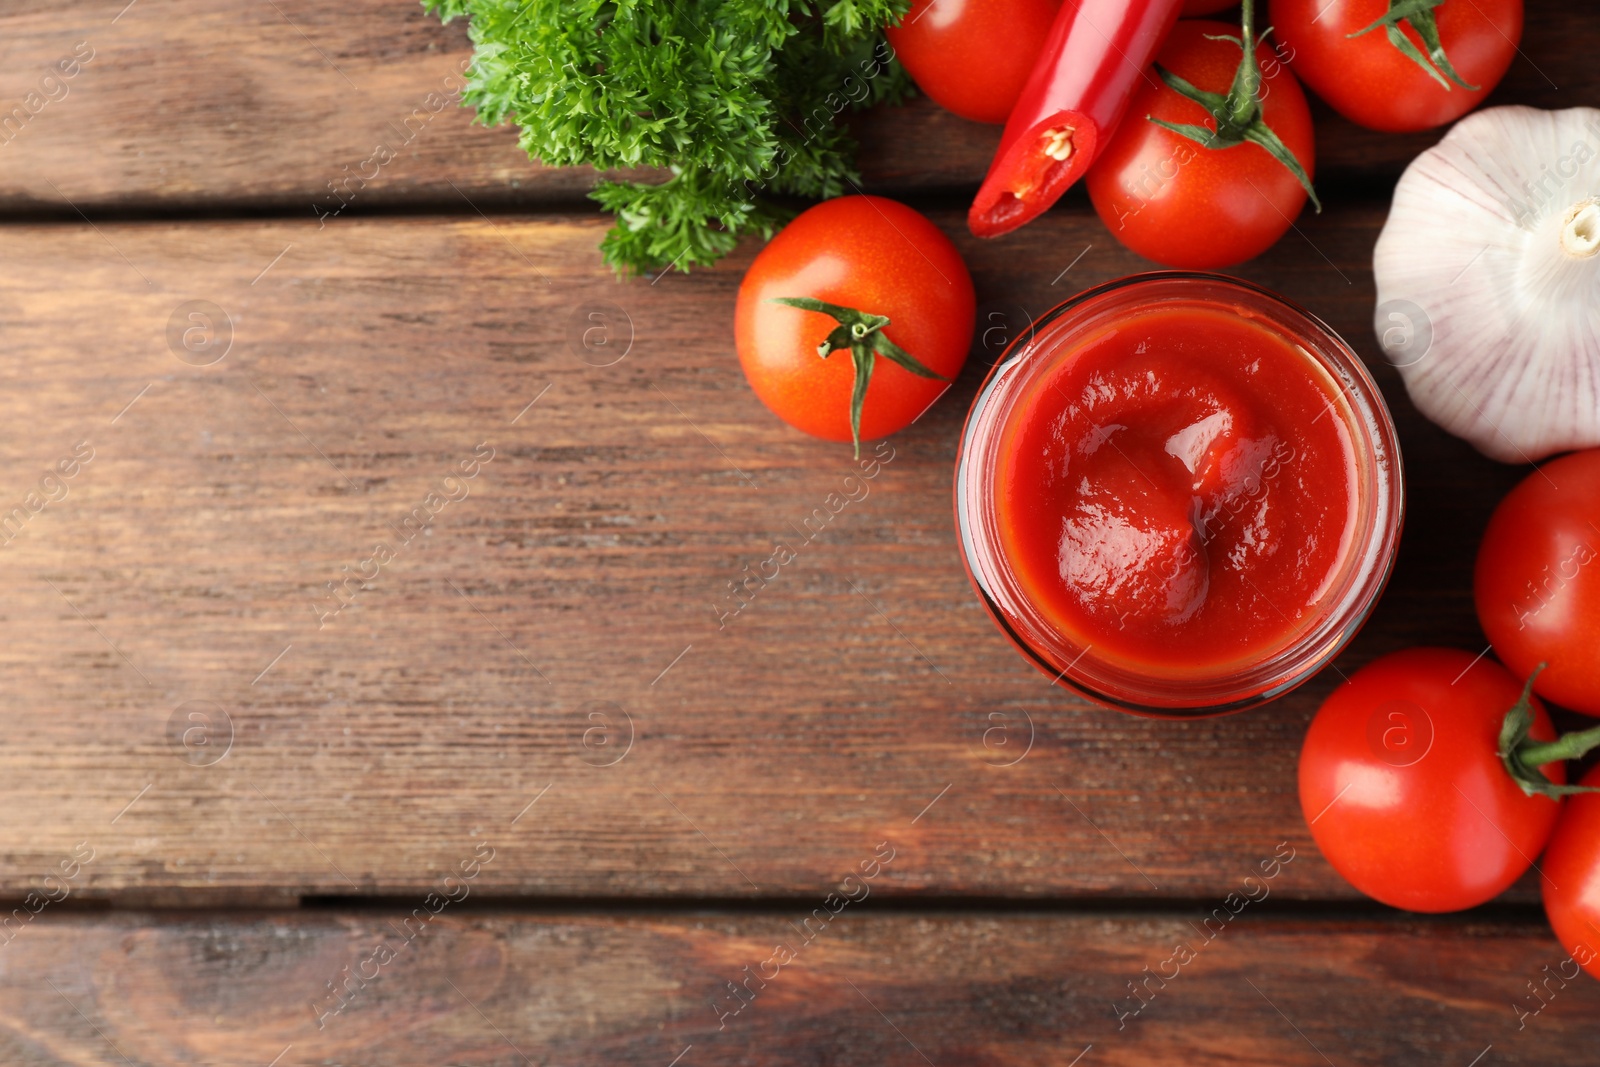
(522, 796)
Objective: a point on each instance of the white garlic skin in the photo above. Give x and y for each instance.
(1488, 285)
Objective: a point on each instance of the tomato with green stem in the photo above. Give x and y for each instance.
(972, 57)
(1432, 778)
(1215, 158)
(868, 277)
(1399, 65)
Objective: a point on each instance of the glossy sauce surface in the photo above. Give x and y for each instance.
(1179, 492)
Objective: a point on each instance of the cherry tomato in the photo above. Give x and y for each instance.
(973, 56)
(873, 255)
(1403, 789)
(1371, 82)
(1198, 8)
(1537, 583)
(1572, 877)
(1169, 199)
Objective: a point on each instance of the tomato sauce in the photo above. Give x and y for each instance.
(1180, 492)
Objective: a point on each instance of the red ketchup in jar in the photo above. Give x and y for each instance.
(1179, 494)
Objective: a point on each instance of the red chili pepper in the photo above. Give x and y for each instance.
(1097, 52)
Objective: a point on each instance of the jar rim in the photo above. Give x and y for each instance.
(1364, 569)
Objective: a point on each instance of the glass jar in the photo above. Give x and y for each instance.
(1024, 590)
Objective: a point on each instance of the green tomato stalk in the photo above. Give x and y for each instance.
(1523, 756)
(1418, 14)
(862, 334)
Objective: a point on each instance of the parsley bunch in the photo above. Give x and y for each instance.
(738, 99)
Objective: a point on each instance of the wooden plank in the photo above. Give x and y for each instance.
(260, 106)
(868, 988)
(571, 597)
(263, 104)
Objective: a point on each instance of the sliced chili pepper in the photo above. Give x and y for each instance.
(1096, 53)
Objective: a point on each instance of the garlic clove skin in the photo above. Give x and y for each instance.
(1488, 281)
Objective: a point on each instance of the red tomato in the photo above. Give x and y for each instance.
(973, 56)
(1572, 877)
(1370, 81)
(1198, 8)
(1404, 791)
(1169, 199)
(1537, 583)
(876, 256)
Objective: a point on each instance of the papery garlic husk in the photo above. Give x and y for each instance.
(1489, 282)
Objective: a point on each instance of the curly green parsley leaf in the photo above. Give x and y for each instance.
(738, 99)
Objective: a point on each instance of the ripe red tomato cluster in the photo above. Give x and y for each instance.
(1432, 778)
(1404, 779)
(850, 263)
(1157, 190)
(1170, 201)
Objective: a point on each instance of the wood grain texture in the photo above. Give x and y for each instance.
(572, 598)
(539, 669)
(869, 988)
(260, 106)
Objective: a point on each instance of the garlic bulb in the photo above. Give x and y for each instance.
(1489, 282)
